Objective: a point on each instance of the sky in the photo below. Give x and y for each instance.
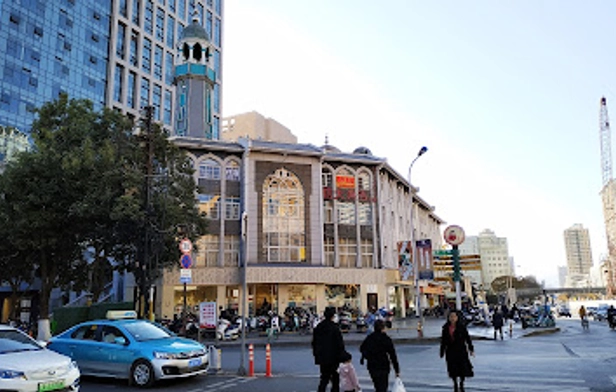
(504, 94)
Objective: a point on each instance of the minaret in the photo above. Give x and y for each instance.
(194, 81)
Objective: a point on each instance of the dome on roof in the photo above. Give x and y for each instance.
(195, 30)
(330, 148)
(362, 151)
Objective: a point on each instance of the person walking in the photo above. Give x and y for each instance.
(348, 377)
(328, 349)
(583, 317)
(497, 322)
(456, 345)
(378, 349)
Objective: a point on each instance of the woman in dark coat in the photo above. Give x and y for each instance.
(455, 346)
(378, 349)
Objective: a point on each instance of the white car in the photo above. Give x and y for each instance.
(27, 366)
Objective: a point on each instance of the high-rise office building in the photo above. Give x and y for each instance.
(579, 255)
(116, 53)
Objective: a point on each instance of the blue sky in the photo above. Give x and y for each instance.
(504, 94)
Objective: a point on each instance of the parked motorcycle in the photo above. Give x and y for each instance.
(227, 330)
(360, 323)
(344, 321)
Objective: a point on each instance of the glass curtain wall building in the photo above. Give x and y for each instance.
(116, 53)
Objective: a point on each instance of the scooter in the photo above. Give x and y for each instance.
(227, 331)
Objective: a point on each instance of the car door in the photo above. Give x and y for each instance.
(115, 356)
(81, 346)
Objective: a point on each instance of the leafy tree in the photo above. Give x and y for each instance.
(93, 194)
(502, 283)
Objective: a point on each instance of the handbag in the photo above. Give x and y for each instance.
(398, 386)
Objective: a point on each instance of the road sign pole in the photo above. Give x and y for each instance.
(184, 312)
(455, 256)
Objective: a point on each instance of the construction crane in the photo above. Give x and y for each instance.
(608, 196)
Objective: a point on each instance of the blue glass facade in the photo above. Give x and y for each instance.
(123, 61)
(51, 47)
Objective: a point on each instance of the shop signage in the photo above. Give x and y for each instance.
(207, 315)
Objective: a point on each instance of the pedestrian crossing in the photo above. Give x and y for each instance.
(226, 384)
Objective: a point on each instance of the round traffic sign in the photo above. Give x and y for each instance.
(186, 261)
(454, 235)
(185, 246)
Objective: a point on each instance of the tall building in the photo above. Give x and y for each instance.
(116, 53)
(579, 255)
(494, 255)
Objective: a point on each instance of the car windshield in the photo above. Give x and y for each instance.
(13, 341)
(142, 330)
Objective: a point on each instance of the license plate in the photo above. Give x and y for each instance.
(50, 385)
(194, 362)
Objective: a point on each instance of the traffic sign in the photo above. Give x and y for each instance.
(185, 275)
(185, 246)
(454, 235)
(186, 261)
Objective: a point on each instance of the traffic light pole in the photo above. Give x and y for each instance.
(455, 256)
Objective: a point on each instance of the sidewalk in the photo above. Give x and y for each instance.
(402, 331)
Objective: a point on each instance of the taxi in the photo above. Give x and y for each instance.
(123, 346)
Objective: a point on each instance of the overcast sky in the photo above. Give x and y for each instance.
(505, 95)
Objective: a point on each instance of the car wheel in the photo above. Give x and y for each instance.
(142, 374)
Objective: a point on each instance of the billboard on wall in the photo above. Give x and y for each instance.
(424, 257)
(405, 264)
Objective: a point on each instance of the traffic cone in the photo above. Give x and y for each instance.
(268, 361)
(251, 361)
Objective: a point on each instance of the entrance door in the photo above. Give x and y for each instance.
(372, 301)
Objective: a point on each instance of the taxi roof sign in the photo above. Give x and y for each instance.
(121, 314)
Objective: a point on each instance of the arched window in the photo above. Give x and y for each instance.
(364, 185)
(209, 170)
(284, 234)
(197, 52)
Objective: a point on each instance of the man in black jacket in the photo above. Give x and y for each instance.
(327, 348)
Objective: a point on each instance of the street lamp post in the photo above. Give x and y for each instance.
(418, 312)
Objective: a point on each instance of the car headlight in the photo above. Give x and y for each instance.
(161, 355)
(10, 374)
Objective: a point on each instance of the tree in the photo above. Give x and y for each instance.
(502, 283)
(82, 199)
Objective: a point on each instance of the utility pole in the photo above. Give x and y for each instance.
(144, 294)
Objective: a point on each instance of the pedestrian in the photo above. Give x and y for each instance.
(328, 349)
(497, 322)
(348, 378)
(378, 349)
(456, 345)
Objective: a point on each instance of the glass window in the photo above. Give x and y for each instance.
(218, 6)
(160, 24)
(283, 218)
(328, 211)
(346, 213)
(158, 63)
(217, 32)
(209, 170)
(134, 44)
(147, 55)
(167, 110)
(217, 63)
(145, 92)
(365, 213)
(136, 11)
(208, 24)
(200, 11)
(170, 31)
(232, 171)
(130, 96)
(216, 93)
(123, 8)
(347, 250)
(156, 100)
(232, 251)
(169, 72)
(182, 9)
(210, 205)
(363, 180)
(148, 23)
(120, 41)
(172, 5)
(329, 247)
(117, 83)
(207, 255)
(232, 208)
(367, 255)
(215, 128)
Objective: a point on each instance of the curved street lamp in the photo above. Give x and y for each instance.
(418, 312)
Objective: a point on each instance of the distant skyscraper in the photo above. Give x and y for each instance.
(579, 255)
(118, 54)
(494, 255)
